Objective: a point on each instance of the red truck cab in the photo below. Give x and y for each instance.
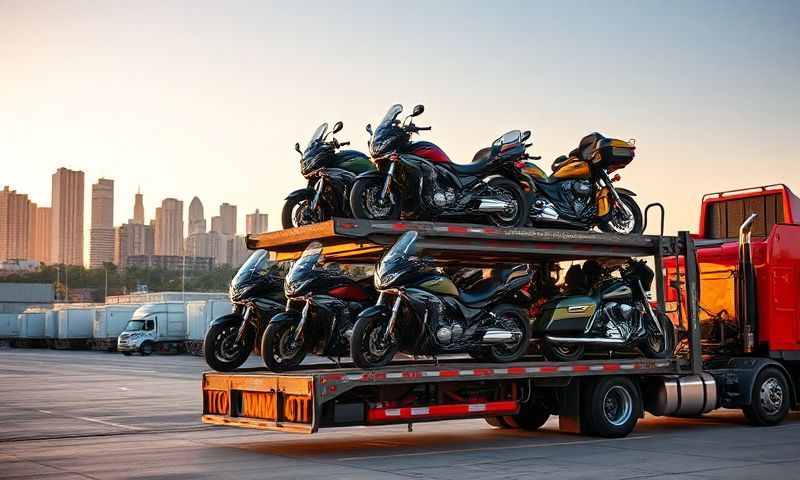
(775, 254)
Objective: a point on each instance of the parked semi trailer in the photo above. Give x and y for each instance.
(109, 321)
(599, 396)
(31, 328)
(74, 327)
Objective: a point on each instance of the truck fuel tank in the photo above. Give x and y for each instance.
(681, 396)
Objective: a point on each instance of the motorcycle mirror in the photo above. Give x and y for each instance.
(369, 129)
(496, 145)
(525, 135)
(418, 109)
(337, 127)
(297, 148)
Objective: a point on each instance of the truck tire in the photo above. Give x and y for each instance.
(611, 406)
(127, 354)
(531, 416)
(146, 348)
(770, 400)
(496, 422)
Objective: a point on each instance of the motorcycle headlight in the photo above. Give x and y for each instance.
(378, 148)
(295, 289)
(383, 282)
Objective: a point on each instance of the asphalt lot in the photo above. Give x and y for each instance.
(71, 415)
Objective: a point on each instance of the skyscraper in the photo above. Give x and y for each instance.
(40, 240)
(216, 224)
(228, 214)
(169, 227)
(101, 235)
(197, 220)
(67, 217)
(138, 209)
(132, 239)
(14, 225)
(256, 222)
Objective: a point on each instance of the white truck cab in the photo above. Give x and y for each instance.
(153, 327)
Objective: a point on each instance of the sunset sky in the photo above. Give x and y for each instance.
(208, 98)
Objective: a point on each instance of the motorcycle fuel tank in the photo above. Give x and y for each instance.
(566, 314)
(534, 171)
(441, 285)
(353, 161)
(573, 170)
(429, 151)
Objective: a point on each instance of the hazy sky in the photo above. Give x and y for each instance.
(208, 98)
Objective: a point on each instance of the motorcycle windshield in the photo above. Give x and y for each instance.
(317, 135)
(391, 116)
(302, 268)
(394, 262)
(256, 266)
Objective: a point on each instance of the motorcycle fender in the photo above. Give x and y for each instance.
(230, 319)
(372, 174)
(625, 191)
(375, 311)
(287, 316)
(301, 193)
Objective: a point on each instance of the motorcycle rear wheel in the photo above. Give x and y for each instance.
(617, 224)
(364, 201)
(562, 352)
(513, 192)
(509, 317)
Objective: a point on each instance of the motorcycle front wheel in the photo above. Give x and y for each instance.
(365, 200)
(278, 349)
(659, 346)
(625, 219)
(297, 211)
(368, 348)
(222, 352)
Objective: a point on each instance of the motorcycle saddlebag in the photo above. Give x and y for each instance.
(613, 154)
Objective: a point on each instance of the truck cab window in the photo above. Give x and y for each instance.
(149, 325)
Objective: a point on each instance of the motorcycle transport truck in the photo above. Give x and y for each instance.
(600, 394)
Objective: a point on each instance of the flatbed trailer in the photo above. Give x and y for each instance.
(587, 395)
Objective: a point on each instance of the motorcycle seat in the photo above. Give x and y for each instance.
(479, 163)
(484, 289)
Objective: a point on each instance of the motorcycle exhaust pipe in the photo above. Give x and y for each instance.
(492, 205)
(604, 341)
(496, 335)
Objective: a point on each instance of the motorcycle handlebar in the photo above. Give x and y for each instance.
(423, 128)
(342, 144)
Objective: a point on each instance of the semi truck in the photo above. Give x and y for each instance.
(159, 326)
(604, 395)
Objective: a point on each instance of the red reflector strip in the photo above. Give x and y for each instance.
(611, 367)
(508, 407)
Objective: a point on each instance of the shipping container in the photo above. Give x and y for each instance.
(109, 322)
(199, 315)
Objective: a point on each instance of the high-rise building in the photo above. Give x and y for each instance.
(218, 247)
(216, 224)
(67, 217)
(197, 220)
(237, 251)
(138, 209)
(169, 227)
(198, 245)
(101, 234)
(228, 214)
(255, 222)
(14, 225)
(132, 239)
(40, 235)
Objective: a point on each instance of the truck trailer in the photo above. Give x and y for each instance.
(604, 395)
(109, 321)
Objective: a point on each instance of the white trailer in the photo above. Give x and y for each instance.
(199, 315)
(157, 326)
(9, 326)
(30, 325)
(74, 326)
(51, 325)
(109, 321)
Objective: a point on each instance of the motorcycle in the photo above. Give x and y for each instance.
(614, 313)
(580, 194)
(330, 175)
(418, 179)
(256, 293)
(321, 305)
(420, 311)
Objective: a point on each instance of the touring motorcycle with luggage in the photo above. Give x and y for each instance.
(330, 173)
(580, 193)
(420, 311)
(321, 306)
(612, 314)
(419, 181)
(256, 293)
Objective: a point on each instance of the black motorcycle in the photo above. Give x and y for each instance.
(330, 175)
(613, 313)
(322, 304)
(418, 180)
(420, 311)
(579, 193)
(256, 292)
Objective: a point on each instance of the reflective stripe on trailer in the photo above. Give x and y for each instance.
(484, 372)
(506, 407)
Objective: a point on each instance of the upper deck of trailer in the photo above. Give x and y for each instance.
(349, 240)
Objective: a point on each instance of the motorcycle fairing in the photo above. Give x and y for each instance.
(428, 151)
(337, 181)
(330, 318)
(352, 161)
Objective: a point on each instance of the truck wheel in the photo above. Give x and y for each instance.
(560, 352)
(220, 349)
(146, 348)
(127, 354)
(278, 349)
(496, 422)
(771, 399)
(611, 407)
(531, 416)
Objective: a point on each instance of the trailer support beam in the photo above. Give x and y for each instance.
(692, 298)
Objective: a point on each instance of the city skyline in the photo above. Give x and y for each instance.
(31, 235)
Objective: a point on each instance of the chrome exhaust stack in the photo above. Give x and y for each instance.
(746, 297)
(496, 335)
(492, 205)
(604, 341)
